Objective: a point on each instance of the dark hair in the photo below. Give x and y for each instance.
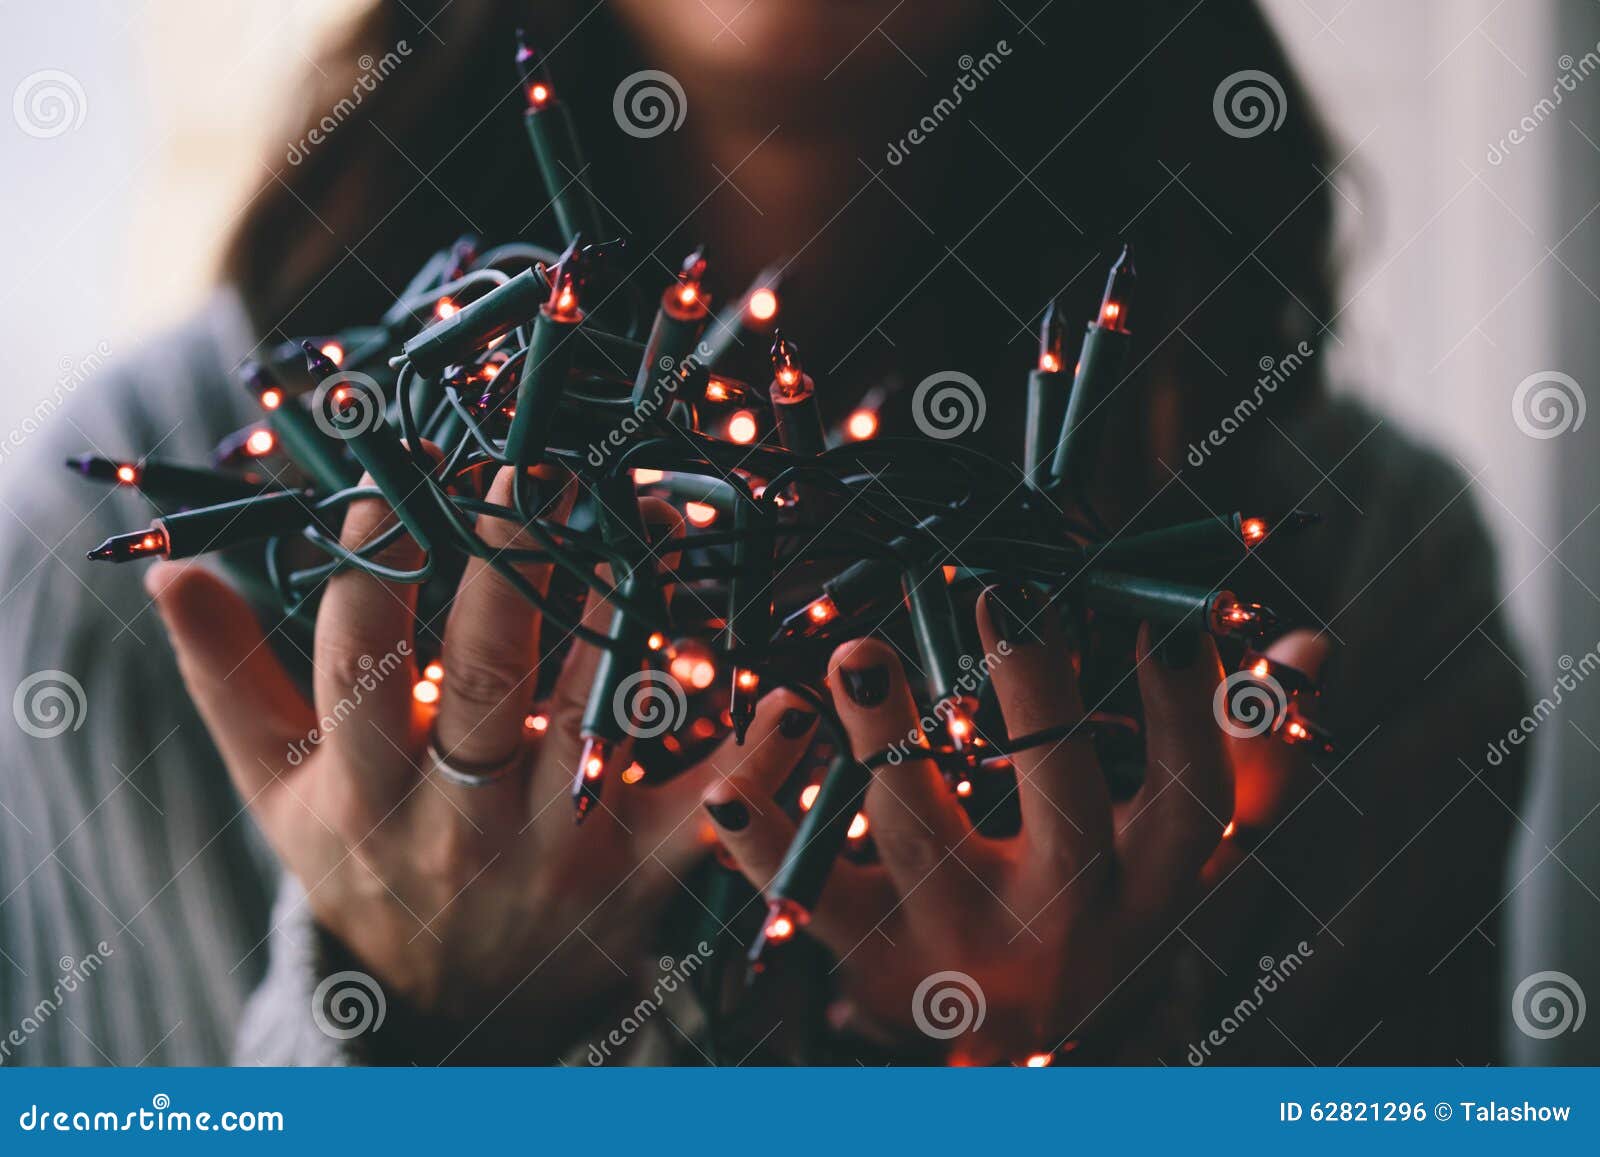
(1103, 120)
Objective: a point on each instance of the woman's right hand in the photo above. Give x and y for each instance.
(483, 908)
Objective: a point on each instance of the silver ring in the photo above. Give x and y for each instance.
(480, 775)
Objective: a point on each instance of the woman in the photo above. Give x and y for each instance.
(1131, 933)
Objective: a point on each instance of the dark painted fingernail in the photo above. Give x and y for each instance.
(866, 686)
(1017, 612)
(796, 722)
(732, 816)
(1179, 648)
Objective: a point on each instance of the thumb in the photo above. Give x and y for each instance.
(253, 710)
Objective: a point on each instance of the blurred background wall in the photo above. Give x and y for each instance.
(1472, 246)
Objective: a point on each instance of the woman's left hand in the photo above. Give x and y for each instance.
(1041, 930)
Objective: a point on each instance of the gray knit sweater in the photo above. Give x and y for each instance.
(136, 915)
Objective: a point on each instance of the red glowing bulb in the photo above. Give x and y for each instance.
(716, 391)
(822, 610)
(1260, 669)
(742, 427)
(780, 928)
(809, 796)
(445, 307)
(538, 94)
(747, 680)
(633, 773)
(260, 442)
(964, 788)
(433, 672)
(763, 305)
(862, 425)
(1253, 530)
(334, 352)
(858, 827)
(537, 722)
(1038, 1061)
(127, 475)
(1049, 363)
(271, 399)
(425, 691)
(700, 513)
(656, 641)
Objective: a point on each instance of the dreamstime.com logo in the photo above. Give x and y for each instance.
(347, 404)
(374, 71)
(650, 703)
(347, 1004)
(947, 1004)
(49, 103)
(1249, 103)
(74, 372)
(373, 673)
(1548, 1004)
(1274, 974)
(1547, 404)
(948, 404)
(675, 974)
(1246, 704)
(74, 973)
(648, 103)
(49, 703)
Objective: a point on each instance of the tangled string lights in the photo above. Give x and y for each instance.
(524, 358)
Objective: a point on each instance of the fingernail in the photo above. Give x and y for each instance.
(1179, 648)
(732, 816)
(1016, 611)
(796, 722)
(866, 686)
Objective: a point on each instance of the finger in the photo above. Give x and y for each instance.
(664, 524)
(365, 622)
(757, 839)
(1179, 814)
(491, 649)
(260, 722)
(742, 776)
(1268, 773)
(1066, 808)
(571, 692)
(916, 820)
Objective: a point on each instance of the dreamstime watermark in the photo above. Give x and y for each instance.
(966, 685)
(72, 974)
(73, 374)
(373, 673)
(1577, 670)
(948, 404)
(1547, 1004)
(1274, 372)
(347, 1004)
(669, 379)
(973, 73)
(1273, 974)
(1573, 73)
(49, 103)
(650, 703)
(674, 973)
(1247, 705)
(1547, 404)
(947, 1004)
(1248, 103)
(648, 103)
(347, 404)
(373, 73)
(160, 1117)
(49, 703)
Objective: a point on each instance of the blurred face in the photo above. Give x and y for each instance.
(849, 42)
